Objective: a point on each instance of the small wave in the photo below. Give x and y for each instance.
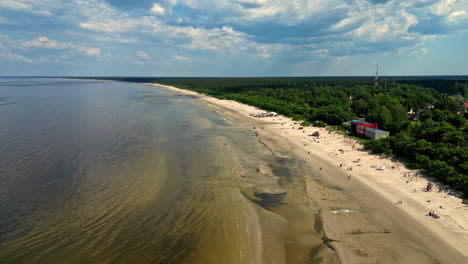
(342, 210)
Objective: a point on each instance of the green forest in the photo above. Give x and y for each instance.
(435, 142)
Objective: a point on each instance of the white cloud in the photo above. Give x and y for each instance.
(443, 7)
(45, 43)
(142, 55)
(249, 11)
(264, 54)
(457, 15)
(157, 9)
(240, 26)
(180, 58)
(8, 55)
(38, 7)
(390, 26)
(214, 39)
(171, 2)
(20, 50)
(254, 2)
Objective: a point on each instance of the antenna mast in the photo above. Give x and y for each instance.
(376, 83)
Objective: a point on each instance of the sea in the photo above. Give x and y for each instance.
(119, 172)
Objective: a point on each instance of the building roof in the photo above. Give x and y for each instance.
(357, 121)
(367, 123)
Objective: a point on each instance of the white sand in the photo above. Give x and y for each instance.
(452, 227)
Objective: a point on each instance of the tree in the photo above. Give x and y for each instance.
(359, 107)
(447, 104)
(378, 146)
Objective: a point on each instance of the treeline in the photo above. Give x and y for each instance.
(450, 85)
(447, 86)
(332, 100)
(437, 142)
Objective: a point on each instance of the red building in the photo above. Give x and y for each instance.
(361, 127)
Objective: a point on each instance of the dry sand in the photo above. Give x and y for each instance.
(375, 188)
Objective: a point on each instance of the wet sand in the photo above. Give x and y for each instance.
(324, 218)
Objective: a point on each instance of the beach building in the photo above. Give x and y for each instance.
(359, 127)
(375, 133)
(368, 130)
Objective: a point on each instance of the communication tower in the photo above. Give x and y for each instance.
(376, 83)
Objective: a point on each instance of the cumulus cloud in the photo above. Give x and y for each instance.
(44, 42)
(299, 29)
(442, 17)
(214, 39)
(143, 56)
(363, 26)
(27, 51)
(157, 9)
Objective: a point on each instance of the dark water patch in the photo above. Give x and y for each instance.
(318, 225)
(284, 161)
(269, 201)
(283, 172)
(313, 258)
(7, 103)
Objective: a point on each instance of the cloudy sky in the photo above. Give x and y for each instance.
(233, 37)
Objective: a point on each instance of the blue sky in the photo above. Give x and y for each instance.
(233, 37)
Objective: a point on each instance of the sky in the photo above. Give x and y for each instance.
(233, 37)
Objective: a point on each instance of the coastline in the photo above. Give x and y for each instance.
(371, 187)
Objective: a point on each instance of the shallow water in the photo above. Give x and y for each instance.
(109, 172)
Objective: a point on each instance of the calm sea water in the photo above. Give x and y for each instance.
(107, 172)
(112, 172)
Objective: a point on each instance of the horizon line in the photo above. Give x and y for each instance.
(293, 76)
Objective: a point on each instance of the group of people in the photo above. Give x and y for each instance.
(433, 214)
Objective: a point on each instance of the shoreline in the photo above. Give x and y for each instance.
(389, 185)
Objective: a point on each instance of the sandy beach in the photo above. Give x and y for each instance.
(395, 198)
